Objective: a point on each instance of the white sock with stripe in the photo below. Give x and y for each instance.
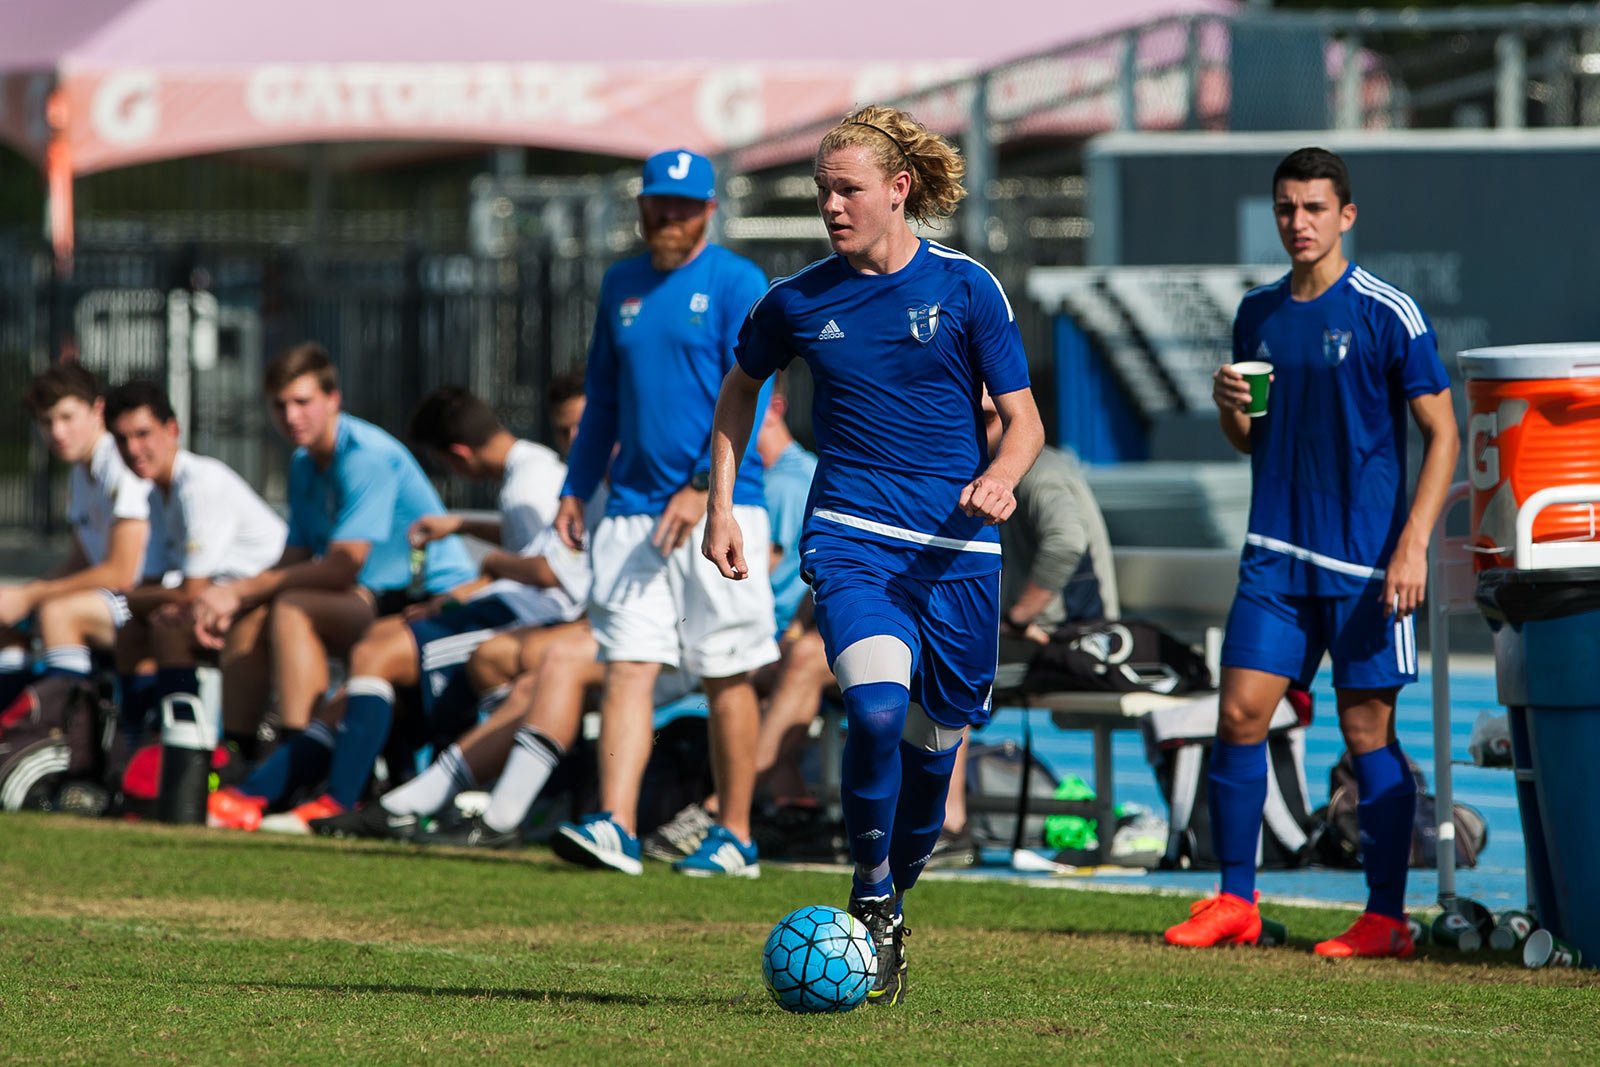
(68, 659)
(533, 757)
(433, 788)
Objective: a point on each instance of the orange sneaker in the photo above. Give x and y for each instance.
(1372, 935)
(1220, 920)
(229, 809)
(298, 821)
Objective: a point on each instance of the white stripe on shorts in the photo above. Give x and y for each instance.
(117, 605)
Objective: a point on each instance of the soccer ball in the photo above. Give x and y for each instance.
(819, 959)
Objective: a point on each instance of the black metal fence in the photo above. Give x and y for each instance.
(206, 320)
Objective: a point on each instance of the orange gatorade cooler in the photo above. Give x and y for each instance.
(1534, 423)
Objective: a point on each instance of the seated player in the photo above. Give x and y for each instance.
(82, 602)
(521, 584)
(207, 526)
(1056, 568)
(354, 492)
(521, 741)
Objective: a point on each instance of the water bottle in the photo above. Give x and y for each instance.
(417, 591)
(188, 736)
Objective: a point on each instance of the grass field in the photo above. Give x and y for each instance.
(127, 943)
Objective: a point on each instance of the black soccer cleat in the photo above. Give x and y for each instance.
(474, 833)
(371, 821)
(888, 931)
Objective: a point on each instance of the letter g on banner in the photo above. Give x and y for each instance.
(126, 109)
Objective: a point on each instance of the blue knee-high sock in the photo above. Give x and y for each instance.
(368, 713)
(924, 782)
(1387, 809)
(875, 713)
(1238, 793)
(139, 693)
(297, 762)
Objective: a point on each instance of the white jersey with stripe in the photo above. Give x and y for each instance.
(100, 493)
(211, 524)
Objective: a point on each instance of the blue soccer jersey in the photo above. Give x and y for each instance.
(663, 340)
(1328, 460)
(899, 361)
(371, 491)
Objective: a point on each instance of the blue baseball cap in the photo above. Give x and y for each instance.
(679, 172)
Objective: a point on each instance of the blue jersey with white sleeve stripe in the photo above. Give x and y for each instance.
(663, 340)
(1328, 460)
(899, 362)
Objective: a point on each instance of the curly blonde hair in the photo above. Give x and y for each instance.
(897, 142)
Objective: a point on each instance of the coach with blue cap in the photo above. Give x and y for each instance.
(663, 340)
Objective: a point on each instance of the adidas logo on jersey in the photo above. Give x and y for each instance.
(831, 332)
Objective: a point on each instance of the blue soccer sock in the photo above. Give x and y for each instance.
(140, 693)
(70, 660)
(1385, 814)
(875, 713)
(1238, 793)
(924, 783)
(296, 762)
(368, 713)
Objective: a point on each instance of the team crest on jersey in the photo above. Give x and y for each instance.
(700, 303)
(629, 310)
(924, 321)
(1335, 345)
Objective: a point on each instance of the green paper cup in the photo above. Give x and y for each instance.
(1273, 933)
(1513, 929)
(1259, 376)
(1454, 930)
(1544, 949)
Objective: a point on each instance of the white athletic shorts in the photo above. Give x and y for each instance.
(679, 610)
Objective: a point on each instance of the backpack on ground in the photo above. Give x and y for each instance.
(995, 771)
(1178, 743)
(60, 732)
(1125, 656)
(1338, 835)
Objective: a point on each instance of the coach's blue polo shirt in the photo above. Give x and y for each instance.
(371, 491)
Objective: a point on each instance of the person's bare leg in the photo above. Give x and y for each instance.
(735, 721)
(389, 651)
(498, 660)
(548, 697)
(80, 618)
(802, 679)
(1246, 704)
(955, 801)
(626, 738)
(246, 664)
(307, 626)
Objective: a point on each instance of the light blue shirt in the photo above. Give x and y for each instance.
(788, 484)
(372, 490)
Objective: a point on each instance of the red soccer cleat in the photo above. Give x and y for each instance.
(229, 809)
(298, 821)
(1371, 936)
(1220, 920)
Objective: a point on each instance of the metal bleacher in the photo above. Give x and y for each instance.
(1162, 329)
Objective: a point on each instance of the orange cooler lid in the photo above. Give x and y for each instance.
(1576, 359)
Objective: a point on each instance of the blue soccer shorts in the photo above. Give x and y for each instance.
(952, 628)
(444, 644)
(1287, 634)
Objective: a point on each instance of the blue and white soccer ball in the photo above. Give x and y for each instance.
(819, 959)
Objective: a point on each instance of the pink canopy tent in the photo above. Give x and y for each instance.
(90, 85)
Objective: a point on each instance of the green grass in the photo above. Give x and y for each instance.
(126, 943)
